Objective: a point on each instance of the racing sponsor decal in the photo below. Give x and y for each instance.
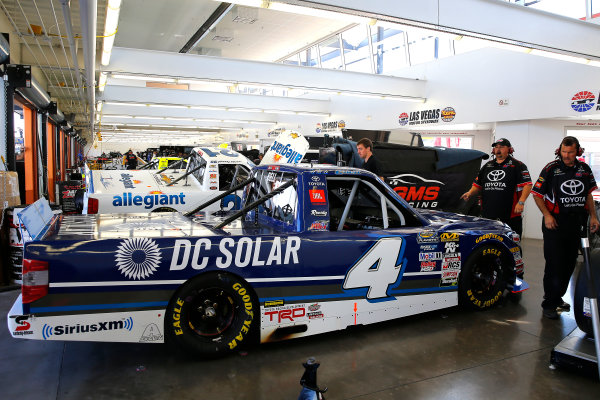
(315, 180)
(489, 236)
(128, 199)
(285, 153)
(437, 255)
(451, 263)
(317, 196)
(495, 178)
(137, 258)
(127, 182)
(313, 315)
(483, 304)
(572, 188)
(583, 101)
(449, 237)
(449, 278)
(151, 334)
(450, 247)
(515, 249)
(274, 303)
(319, 226)
(316, 213)
(427, 237)
(416, 190)
(314, 307)
(24, 326)
(237, 252)
(428, 247)
(60, 330)
(427, 266)
(291, 313)
(213, 188)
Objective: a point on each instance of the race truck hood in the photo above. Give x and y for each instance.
(118, 181)
(458, 221)
(116, 226)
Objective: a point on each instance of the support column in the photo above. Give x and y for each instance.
(31, 167)
(51, 160)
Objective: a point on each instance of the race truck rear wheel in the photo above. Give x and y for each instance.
(212, 315)
(482, 278)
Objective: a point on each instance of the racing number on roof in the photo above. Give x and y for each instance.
(377, 269)
(224, 152)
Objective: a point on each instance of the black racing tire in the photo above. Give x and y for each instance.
(163, 209)
(584, 322)
(212, 315)
(482, 278)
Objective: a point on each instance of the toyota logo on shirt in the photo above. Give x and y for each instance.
(572, 187)
(496, 175)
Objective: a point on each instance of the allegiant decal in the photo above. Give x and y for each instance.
(239, 253)
(149, 201)
(287, 152)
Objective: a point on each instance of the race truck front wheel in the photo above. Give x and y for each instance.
(212, 315)
(482, 279)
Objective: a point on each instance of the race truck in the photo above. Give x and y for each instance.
(312, 250)
(179, 187)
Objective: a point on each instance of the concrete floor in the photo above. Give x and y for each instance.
(503, 353)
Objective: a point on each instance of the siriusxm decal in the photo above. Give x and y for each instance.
(149, 201)
(137, 258)
(287, 152)
(59, 330)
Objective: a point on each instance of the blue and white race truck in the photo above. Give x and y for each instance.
(312, 250)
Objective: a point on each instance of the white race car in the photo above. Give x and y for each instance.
(209, 172)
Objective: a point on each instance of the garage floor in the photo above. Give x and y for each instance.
(503, 353)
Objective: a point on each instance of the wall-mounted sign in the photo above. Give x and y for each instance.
(432, 116)
(584, 101)
(330, 126)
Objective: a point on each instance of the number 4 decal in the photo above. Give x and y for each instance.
(377, 269)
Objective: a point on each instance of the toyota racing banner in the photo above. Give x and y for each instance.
(288, 148)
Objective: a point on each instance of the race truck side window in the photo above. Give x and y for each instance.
(283, 206)
(358, 204)
(232, 173)
(195, 162)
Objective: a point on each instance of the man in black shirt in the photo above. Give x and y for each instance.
(365, 151)
(131, 160)
(505, 183)
(563, 193)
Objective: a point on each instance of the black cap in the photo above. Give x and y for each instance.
(501, 142)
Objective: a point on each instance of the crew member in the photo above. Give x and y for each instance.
(131, 160)
(365, 151)
(505, 183)
(563, 193)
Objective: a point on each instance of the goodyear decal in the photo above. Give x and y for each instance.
(489, 236)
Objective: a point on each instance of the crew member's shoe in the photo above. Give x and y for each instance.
(564, 306)
(550, 313)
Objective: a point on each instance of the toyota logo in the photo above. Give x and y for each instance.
(496, 175)
(315, 178)
(572, 187)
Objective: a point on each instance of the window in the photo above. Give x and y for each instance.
(330, 53)
(199, 164)
(359, 205)
(355, 43)
(388, 49)
(231, 173)
(282, 206)
(452, 141)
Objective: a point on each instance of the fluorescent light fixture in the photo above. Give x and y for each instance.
(280, 112)
(315, 114)
(99, 107)
(110, 29)
(242, 109)
(557, 56)
(102, 81)
(117, 116)
(148, 117)
(143, 78)
(207, 108)
(263, 122)
(207, 120)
